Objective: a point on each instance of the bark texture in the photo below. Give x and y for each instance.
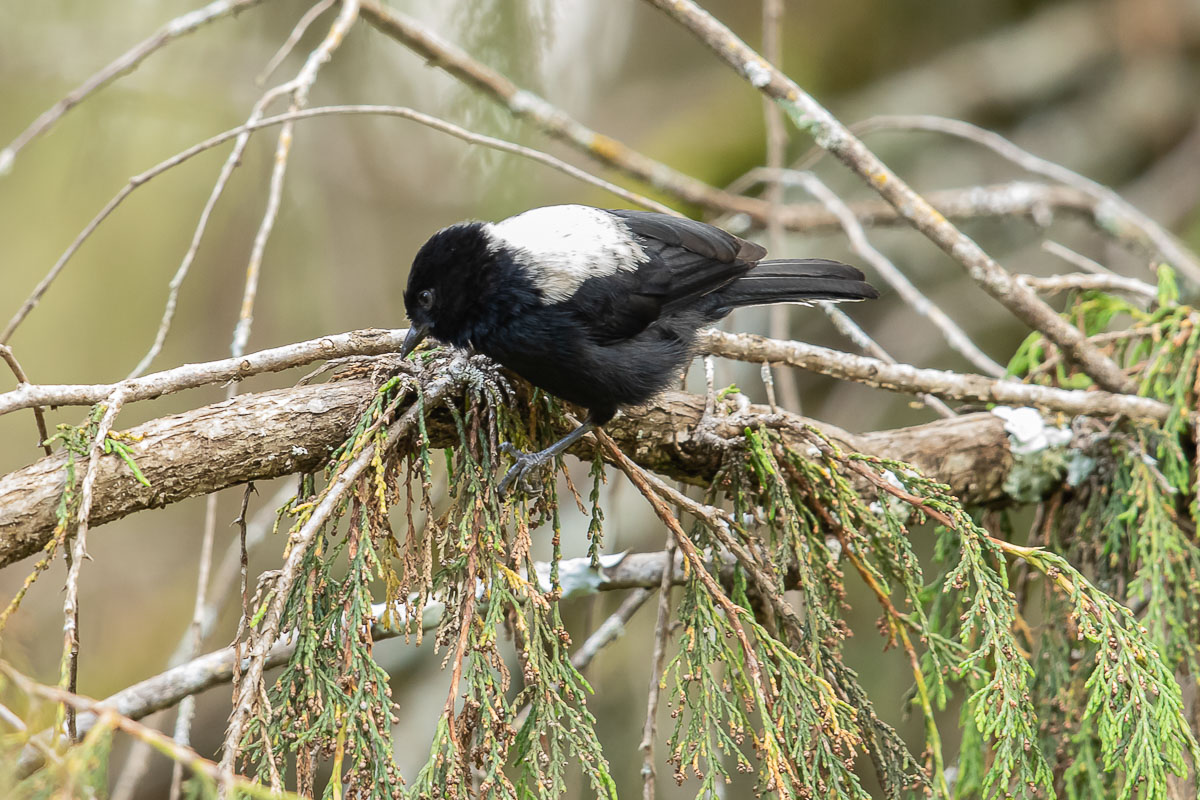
(286, 431)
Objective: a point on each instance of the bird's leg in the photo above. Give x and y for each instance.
(530, 461)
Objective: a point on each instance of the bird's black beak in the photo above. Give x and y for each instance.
(416, 334)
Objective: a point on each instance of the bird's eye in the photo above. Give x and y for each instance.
(425, 299)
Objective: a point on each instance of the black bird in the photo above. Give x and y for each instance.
(597, 307)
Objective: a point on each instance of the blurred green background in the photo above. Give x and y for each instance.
(1107, 87)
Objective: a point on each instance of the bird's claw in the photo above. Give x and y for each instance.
(525, 463)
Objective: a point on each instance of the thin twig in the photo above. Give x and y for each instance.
(1117, 211)
(1078, 259)
(299, 88)
(852, 331)
(1081, 281)
(658, 656)
(10, 358)
(191, 376)
(293, 39)
(347, 110)
(953, 334)
(768, 381)
(611, 629)
(70, 657)
(941, 383)
(777, 139)
(811, 116)
(125, 63)
(194, 636)
(1037, 202)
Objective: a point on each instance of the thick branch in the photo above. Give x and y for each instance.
(270, 434)
(253, 437)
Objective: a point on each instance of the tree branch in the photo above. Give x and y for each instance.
(369, 342)
(832, 135)
(940, 383)
(1119, 213)
(270, 434)
(125, 63)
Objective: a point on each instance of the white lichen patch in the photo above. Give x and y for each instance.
(1041, 458)
(757, 73)
(895, 505)
(577, 575)
(834, 546)
(1028, 433)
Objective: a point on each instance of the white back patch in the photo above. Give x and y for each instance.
(563, 246)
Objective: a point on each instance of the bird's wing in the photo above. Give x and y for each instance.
(688, 235)
(684, 260)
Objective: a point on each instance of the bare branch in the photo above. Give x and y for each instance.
(125, 63)
(1036, 201)
(190, 376)
(1082, 281)
(662, 626)
(852, 331)
(10, 358)
(954, 335)
(774, 193)
(1115, 211)
(78, 552)
(941, 383)
(387, 111)
(811, 116)
(1078, 259)
(289, 44)
(612, 628)
(299, 87)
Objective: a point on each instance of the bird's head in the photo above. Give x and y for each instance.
(461, 286)
(438, 298)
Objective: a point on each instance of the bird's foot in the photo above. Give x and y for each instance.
(525, 463)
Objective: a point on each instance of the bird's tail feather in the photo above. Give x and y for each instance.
(796, 281)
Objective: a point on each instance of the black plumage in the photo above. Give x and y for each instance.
(598, 307)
